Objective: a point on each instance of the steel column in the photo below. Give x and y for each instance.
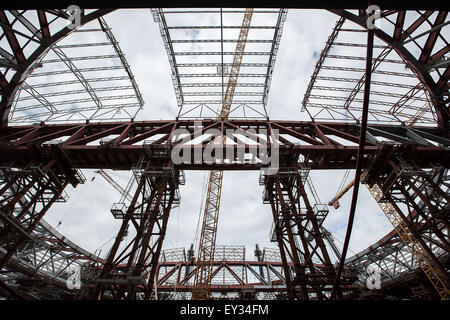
(126, 268)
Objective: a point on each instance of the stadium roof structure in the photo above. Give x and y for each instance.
(84, 76)
(197, 53)
(398, 96)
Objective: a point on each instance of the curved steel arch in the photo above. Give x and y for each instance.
(426, 62)
(24, 65)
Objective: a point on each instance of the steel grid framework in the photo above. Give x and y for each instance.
(132, 267)
(232, 276)
(410, 69)
(264, 278)
(392, 256)
(27, 36)
(43, 264)
(418, 202)
(201, 57)
(65, 85)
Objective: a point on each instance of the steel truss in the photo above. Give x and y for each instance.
(264, 278)
(201, 57)
(300, 144)
(43, 264)
(389, 255)
(416, 202)
(403, 256)
(36, 259)
(120, 145)
(400, 272)
(131, 268)
(410, 70)
(233, 277)
(405, 163)
(297, 232)
(65, 87)
(26, 195)
(42, 29)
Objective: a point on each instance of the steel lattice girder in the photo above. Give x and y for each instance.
(45, 257)
(40, 253)
(173, 274)
(25, 197)
(420, 198)
(297, 231)
(231, 272)
(119, 145)
(422, 65)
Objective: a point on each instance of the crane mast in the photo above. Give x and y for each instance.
(406, 235)
(113, 183)
(202, 282)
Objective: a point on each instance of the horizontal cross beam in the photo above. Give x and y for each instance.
(119, 145)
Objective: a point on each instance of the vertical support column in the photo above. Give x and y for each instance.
(299, 238)
(131, 268)
(287, 246)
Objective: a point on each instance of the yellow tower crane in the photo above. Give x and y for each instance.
(406, 235)
(205, 255)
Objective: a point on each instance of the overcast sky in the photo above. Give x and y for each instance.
(244, 219)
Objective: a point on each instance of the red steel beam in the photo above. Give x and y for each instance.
(11, 37)
(43, 23)
(420, 69)
(432, 37)
(399, 24)
(21, 144)
(26, 62)
(3, 81)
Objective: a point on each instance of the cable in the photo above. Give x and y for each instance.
(344, 179)
(221, 47)
(359, 158)
(114, 172)
(201, 210)
(99, 248)
(68, 211)
(343, 244)
(178, 225)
